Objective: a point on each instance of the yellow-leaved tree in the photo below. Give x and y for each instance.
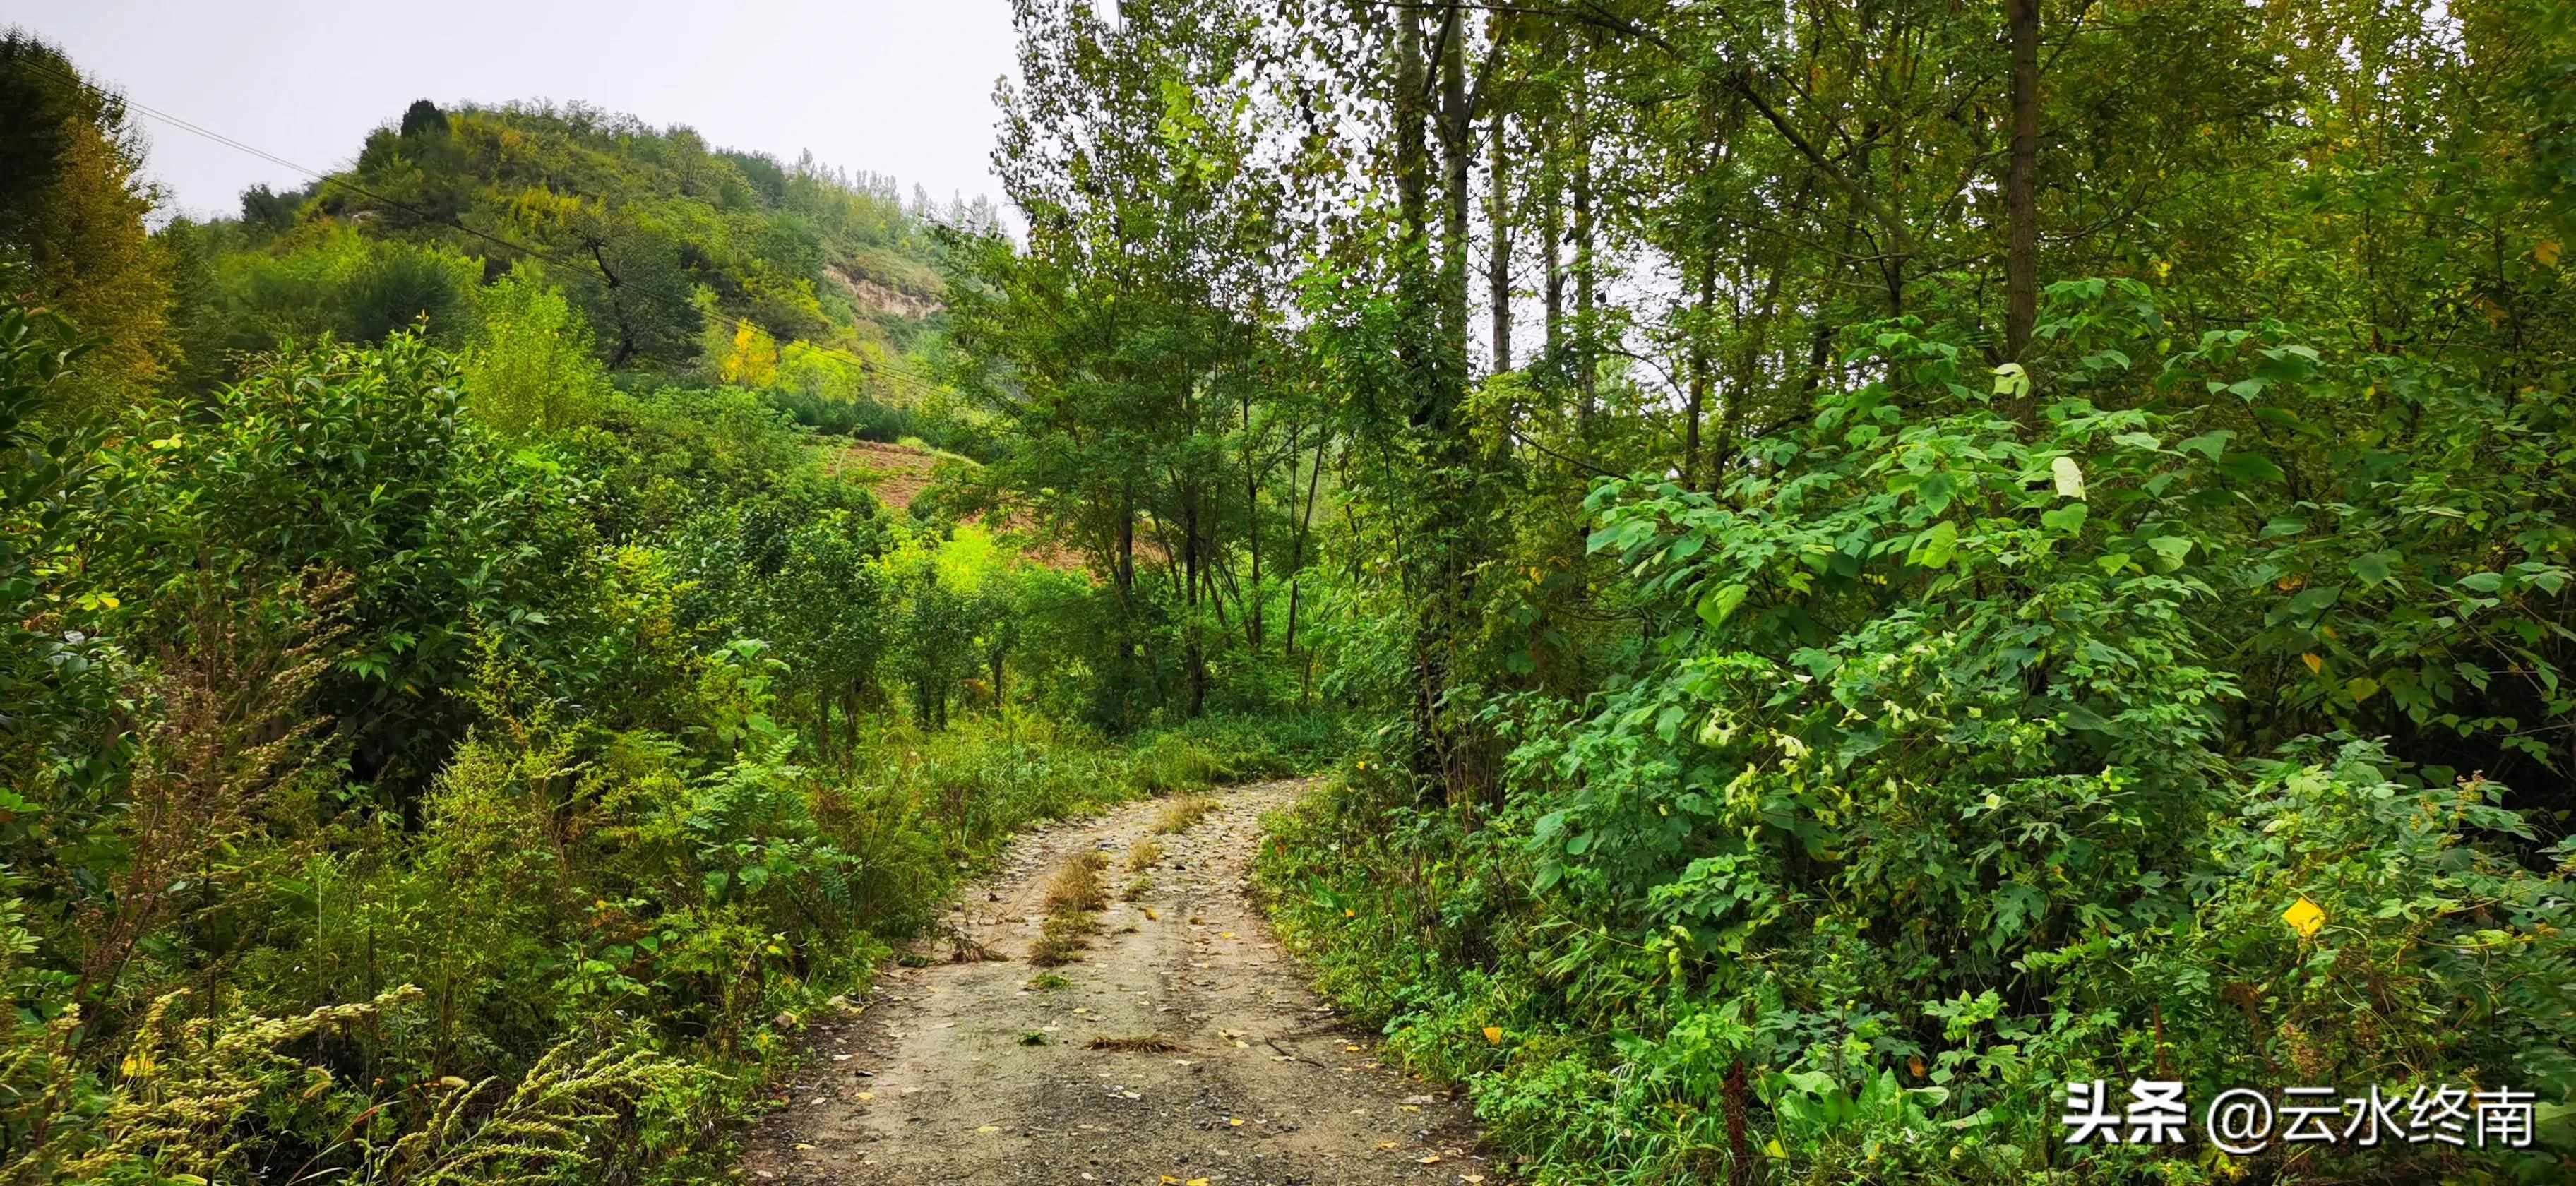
(72, 201)
(751, 359)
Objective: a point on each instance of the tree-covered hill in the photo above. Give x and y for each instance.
(679, 255)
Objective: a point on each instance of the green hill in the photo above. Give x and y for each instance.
(680, 256)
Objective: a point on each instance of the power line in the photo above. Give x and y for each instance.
(900, 376)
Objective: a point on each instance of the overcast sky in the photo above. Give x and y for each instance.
(890, 86)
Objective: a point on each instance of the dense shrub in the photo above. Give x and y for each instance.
(1934, 787)
(861, 418)
(329, 280)
(397, 800)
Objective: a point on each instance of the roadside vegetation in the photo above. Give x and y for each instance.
(456, 727)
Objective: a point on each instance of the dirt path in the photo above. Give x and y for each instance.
(963, 1073)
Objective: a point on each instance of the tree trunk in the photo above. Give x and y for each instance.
(1305, 523)
(1412, 183)
(1696, 405)
(1458, 145)
(1583, 263)
(1498, 264)
(1552, 239)
(1193, 648)
(2021, 183)
(1252, 530)
(1126, 575)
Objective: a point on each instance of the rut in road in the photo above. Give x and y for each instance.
(965, 1073)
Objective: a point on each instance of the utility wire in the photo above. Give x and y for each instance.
(918, 384)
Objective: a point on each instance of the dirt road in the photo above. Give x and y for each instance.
(985, 1073)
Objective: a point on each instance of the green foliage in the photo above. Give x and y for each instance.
(330, 280)
(57, 675)
(529, 365)
(360, 461)
(1929, 790)
(389, 801)
(1796, 709)
(666, 453)
(865, 419)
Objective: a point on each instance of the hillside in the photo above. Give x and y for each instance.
(681, 258)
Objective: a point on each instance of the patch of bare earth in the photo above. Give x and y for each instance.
(1182, 1045)
(896, 475)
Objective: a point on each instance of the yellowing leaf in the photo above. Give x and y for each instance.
(2305, 917)
(1429, 1159)
(1198, 1182)
(2068, 476)
(2546, 251)
(1493, 1035)
(1386, 1144)
(2314, 663)
(1915, 1064)
(1235, 1121)
(2361, 688)
(2011, 381)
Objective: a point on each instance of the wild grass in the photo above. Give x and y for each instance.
(1181, 813)
(1062, 940)
(1172, 762)
(1073, 892)
(1142, 855)
(1074, 887)
(1138, 1044)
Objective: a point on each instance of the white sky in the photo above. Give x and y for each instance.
(888, 86)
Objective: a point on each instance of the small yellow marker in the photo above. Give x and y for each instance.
(2305, 917)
